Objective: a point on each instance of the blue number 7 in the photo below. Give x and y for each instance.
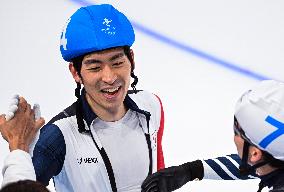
(277, 133)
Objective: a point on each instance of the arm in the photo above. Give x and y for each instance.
(49, 153)
(224, 168)
(174, 177)
(17, 166)
(18, 129)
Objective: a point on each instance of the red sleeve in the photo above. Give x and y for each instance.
(160, 156)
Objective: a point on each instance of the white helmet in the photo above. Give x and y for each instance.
(260, 113)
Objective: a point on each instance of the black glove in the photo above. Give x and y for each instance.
(172, 178)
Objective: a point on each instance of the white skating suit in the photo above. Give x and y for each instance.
(106, 156)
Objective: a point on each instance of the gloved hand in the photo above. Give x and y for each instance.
(172, 178)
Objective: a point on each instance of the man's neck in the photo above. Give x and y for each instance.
(108, 115)
(111, 116)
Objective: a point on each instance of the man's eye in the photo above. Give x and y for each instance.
(94, 69)
(117, 64)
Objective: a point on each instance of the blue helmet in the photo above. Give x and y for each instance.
(95, 28)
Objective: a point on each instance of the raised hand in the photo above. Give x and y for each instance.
(19, 126)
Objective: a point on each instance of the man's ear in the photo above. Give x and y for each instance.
(74, 73)
(255, 154)
(132, 56)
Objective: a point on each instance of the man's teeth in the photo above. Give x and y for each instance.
(111, 90)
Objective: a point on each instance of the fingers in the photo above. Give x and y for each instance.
(2, 119)
(149, 181)
(19, 105)
(39, 123)
(15, 100)
(24, 110)
(39, 120)
(29, 112)
(151, 187)
(36, 109)
(20, 109)
(22, 106)
(13, 107)
(150, 184)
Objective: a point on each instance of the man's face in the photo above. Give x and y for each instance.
(106, 78)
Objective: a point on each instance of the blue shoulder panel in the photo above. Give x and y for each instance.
(49, 153)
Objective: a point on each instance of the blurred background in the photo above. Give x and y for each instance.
(198, 56)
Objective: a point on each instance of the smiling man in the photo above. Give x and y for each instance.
(106, 78)
(110, 138)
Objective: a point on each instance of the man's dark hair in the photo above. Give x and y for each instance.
(24, 186)
(77, 63)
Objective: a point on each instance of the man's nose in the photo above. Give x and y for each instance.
(108, 75)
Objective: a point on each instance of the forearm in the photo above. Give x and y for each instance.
(17, 166)
(223, 168)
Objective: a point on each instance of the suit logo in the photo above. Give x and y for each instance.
(87, 160)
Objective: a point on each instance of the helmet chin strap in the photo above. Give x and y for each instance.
(79, 110)
(78, 90)
(245, 168)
